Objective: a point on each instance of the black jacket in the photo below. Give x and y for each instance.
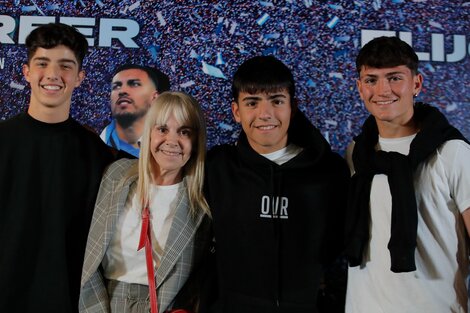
(276, 226)
(50, 175)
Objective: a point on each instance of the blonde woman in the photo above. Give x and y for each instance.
(165, 185)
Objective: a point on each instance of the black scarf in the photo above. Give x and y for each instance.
(434, 131)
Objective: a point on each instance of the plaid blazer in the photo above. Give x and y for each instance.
(184, 247)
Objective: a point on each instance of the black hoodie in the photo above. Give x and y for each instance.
(276, 226)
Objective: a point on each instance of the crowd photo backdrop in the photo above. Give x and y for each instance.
(200, 44)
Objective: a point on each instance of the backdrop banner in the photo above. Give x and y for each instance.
(200, 45)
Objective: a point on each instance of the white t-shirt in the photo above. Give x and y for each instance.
(122, 261)
(283, 155)
(442, 188)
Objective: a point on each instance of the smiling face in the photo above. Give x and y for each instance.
(171, 146)
(265, 119)
(132, 93)
(53, 75)
(388, 95)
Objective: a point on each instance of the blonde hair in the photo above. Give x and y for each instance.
(187, 112)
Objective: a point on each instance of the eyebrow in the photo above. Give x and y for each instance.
(132, 80)
(178, 129)
(48, 60)
(387, 74)
(395, 73)
(185, 128)
(274, 96)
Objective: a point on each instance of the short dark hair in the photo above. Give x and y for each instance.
(159, 79)
(382, 52)
(51, 35)
(263, 74)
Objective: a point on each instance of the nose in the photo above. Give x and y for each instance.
(265, 110)
(122, 93)
(52, 72)
(123, 90)
(383, 87)
(171, 139)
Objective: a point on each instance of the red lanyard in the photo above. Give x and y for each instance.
(146, 240)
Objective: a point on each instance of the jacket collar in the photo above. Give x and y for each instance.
(301, 133)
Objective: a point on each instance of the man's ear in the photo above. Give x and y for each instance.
(80, 78)
(359, 88)
(155, 95)
(26, 72)
(236, 111)
(418, 83)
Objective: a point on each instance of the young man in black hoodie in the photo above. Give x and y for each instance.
(409, 216)
(277, 197)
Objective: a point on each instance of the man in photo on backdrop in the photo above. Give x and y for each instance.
(277, 197)
(408, 216)
(133, 88)
(51, 168)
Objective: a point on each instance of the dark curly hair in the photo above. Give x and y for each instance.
(51, 35)
(382, 52)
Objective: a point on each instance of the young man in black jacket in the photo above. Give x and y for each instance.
(277, 197)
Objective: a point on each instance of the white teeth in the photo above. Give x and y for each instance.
(171, 153)
(384, 102)
(266, 127)
(48, 87)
